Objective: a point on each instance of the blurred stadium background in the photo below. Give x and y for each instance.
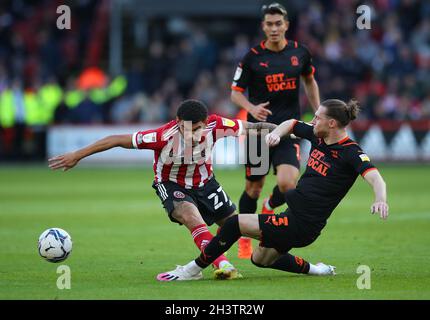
(131, 62)
(125, 65)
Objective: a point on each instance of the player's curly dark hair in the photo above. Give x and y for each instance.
(192, 110)
(342, 112)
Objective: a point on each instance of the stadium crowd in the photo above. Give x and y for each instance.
(50, 76)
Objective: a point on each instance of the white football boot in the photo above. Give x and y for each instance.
(179, 274)
(325, 270)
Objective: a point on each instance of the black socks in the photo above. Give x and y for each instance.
(228, 235)
(290, 263)
(247, 204)
(277, 199)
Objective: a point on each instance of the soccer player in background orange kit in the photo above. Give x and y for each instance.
(272, 72)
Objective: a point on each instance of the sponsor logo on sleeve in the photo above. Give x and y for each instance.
(237, 74)
(364, 157)
(139, 138)
(150, 137)
(228, 123)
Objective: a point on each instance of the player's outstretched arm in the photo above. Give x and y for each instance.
(380, 205)
(284, 129)
(70, 159)
(258, 126)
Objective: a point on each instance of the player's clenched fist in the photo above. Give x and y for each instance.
(272, 139)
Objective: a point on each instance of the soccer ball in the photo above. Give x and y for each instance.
(55, 245)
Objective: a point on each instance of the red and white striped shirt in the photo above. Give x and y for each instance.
(191, 167)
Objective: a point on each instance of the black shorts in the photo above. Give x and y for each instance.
(286, 152)
(284, 231)
(211, 200)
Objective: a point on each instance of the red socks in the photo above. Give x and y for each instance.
(202, 237)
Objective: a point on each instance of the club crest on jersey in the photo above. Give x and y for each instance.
(228, 123)
(294, 61)
(178, 195)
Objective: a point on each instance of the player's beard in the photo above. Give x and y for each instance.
(320, 133)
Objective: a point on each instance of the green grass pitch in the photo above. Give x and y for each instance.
(122, 239)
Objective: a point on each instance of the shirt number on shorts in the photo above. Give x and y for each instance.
(216, 196)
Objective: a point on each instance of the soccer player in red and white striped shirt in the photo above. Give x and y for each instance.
(184, 179)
